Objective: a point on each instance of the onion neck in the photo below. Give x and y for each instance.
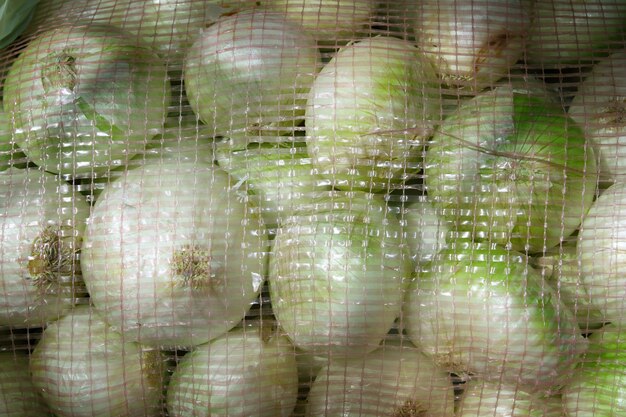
(59, 73)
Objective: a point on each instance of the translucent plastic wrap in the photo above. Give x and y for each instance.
(400, 208)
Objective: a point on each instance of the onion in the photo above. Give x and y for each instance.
(601, 244)
(10, 153)
(249, 73)
(574, 32)
(393, 380)
(481, 309)
(493, 399)
(18, 397)
(368, 113)
(511, 168)
(424, 230)
(249, 371)
(599, 386)
(280, 176)
(599, 106)
(338, 271)
(174, 255)
(84, 99)
(83, 368)
(331, 22)
(42, 223)
(472, 44)
(561, 267)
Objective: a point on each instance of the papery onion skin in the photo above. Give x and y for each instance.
(599, 107)
(247, 372)
(331, 22)
(601, 253)
(511, 168)
(84, 99)
(599, 387)
(248, 75)
(18, 397)
(574, 32)
(338, 272)
(43, 221)
(280, 176)
(494, 399)
(472, 44)
(478, 308)
(85, 369)
(174, 254)
(394, 380)
(369, 112)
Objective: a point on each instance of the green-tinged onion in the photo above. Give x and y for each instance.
(424, 230)
(510, 167)
(14, 18)
(338, 272)
(83, 368)
(174, 254)
(249, 371)
(280, 176)
(331, 22)
(493, 399)
(599, 106)
(85, 99)
(10, 153)
(42, 221)
(394, 380)
(574, 32)
(602, 254)
(368, 114)
(599, 387)
(481, 309)
(472, 44)
(561, 267)
(18, 397)
(249, 73)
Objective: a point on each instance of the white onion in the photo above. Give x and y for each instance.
(599, 106)
(480, 309)
(338, 272)
(85, 369)
(493, 399)
(329, 21)
(474, 43)
(248, 372)
(368, 113)
(18, 397)
(174, 254)
(42, 221)
(394, 380)
(602, 253)
(574, 32)
(248, 75)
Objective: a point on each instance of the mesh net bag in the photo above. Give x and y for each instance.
(403, 208)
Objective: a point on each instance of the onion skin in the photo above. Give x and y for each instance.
(43, 222)
(174, 254)
(599, 387)
(241, 88)
(478, 308)
(511, 167)
(369, 112)
(248, 372)
(601, 253)
(85, 369)
(338, 272)
(599, 107)
(472, 44)
(84, 99)
(394, 380)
